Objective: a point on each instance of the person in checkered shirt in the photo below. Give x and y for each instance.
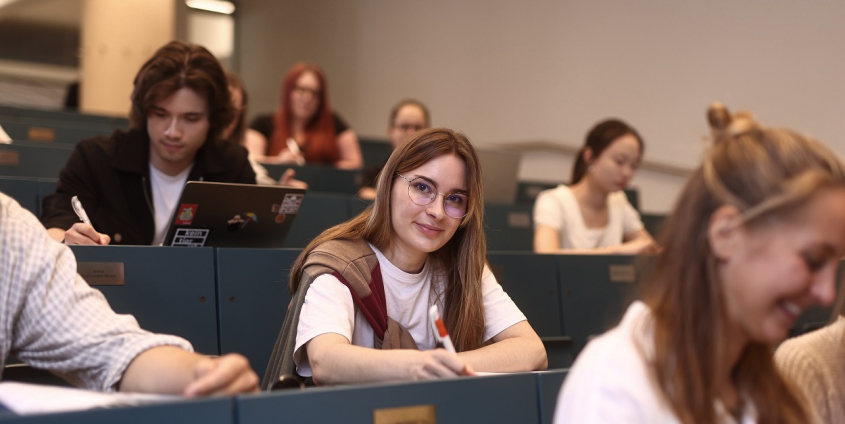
(51, 319)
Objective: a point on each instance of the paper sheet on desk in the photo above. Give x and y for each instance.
(4, 138)
(26, 399)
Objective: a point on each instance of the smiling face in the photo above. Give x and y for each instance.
(774, 271)
(613, 169)
(417, 229)
(305, 97)
(178, 127)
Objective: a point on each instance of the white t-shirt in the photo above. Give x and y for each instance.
(557, 208)
(611, 381)
(328, 308)
(166, 192)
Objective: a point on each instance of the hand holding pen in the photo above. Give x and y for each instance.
(83, 232)
(442, 336)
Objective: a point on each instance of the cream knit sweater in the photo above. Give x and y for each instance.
(815, 362)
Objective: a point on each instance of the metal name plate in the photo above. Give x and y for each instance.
(41, 134)
(622, 274)
(101, 273)
(9, 158)
(420, 414)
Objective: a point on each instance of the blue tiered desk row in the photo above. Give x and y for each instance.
(507, 399)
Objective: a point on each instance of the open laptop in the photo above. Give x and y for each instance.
(500, 171)
(233, 215)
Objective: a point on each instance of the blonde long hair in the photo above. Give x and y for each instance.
(763, 172)
(459, 262)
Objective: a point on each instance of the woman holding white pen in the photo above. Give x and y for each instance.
(365, 286)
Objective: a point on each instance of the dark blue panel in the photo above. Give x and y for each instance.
(532, 281)
(509, 227)
(509, 398)
(322, 179)
(527, 191)
(317, 213)
(592, 304)
(38, 116)
(653, 223)
(168, 289)
(252, 287)
(62, 133)
(375, 152)
(33, 160)
(24, 190)
(207, 411)
(550, 383)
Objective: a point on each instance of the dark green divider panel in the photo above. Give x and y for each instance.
(50, 132)
(375, 151)
(317, 213)
(24, 190)
(527, 191)
(324, 179)
(549, 383)
(356, 206)
(207, 411)
(533, 283)
(252, 285)
(509, 227)
(597, 290)
(509, 398)
(653, 223)
(33, 160)
(61, 116)
(168, 289)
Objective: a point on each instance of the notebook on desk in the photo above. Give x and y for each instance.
(233, 215)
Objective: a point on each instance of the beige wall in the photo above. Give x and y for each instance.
(506, 71)
(117, 38)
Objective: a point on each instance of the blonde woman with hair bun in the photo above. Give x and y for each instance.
(754, 239)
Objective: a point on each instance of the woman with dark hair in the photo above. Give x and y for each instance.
(304, 129)
(365, 286)
(755, 238)
(592, 214)
(238, 133)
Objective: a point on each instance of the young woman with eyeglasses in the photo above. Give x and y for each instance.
(592, 214)
(420, 243)
(304, 129)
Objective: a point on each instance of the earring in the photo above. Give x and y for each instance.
(589, 168)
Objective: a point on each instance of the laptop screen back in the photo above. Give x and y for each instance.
(233, 215)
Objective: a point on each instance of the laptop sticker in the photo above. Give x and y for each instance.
(191, 237)
(290, 204)
(238, 223)
(186, 214)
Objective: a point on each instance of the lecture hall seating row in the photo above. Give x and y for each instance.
(509, 398)
(234, 300)
(508, 227)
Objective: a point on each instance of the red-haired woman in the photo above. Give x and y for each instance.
(304, 129)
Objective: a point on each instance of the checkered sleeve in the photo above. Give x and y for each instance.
(57, 322)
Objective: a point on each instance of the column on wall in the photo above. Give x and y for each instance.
(117, 37)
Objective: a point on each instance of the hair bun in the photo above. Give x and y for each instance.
(725, 125)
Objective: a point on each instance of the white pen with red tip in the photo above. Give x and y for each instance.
(440, 333)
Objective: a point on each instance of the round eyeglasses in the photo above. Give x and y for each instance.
(423, 192)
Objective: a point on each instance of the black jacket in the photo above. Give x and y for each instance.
(111, 176)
